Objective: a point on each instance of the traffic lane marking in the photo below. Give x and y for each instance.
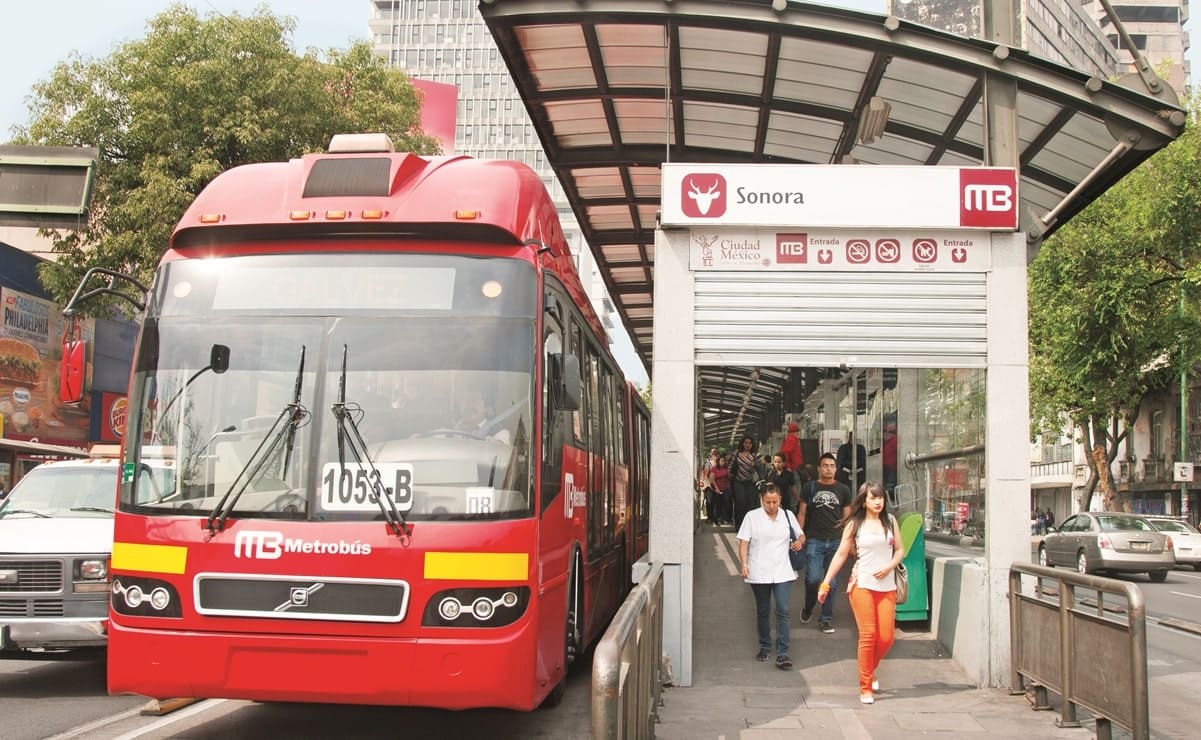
(1181, 593)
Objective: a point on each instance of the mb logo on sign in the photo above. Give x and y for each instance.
(988, 198)
(792, 249)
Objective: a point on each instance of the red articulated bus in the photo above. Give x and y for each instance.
(405, 468)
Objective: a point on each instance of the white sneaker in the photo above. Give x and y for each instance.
(866, 699)
(875, 685)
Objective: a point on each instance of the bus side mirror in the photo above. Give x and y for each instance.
(565, 382)
(71, 369)
(219, 358)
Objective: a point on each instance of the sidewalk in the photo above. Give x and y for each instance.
(923, 692)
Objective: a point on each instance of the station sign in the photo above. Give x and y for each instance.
(878, 250)
(840, 196)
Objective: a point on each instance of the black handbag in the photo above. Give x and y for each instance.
(795, 557)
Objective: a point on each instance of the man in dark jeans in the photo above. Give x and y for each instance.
(824, 503)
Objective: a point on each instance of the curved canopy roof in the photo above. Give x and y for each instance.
(616, 87)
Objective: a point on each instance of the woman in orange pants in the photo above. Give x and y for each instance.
(875, 538)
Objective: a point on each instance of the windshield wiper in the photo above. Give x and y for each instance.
(40, 515)
(91, 508)
(283, 430)
(348, 432)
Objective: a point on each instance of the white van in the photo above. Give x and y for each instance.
(56, 536)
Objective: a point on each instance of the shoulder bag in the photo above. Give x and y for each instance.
(796, 558)
(900, 575)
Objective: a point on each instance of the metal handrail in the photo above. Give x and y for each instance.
(1044, 637)
(626, 665)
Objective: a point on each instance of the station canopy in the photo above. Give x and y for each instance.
(617, 87)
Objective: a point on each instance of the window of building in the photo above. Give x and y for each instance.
(1157, 419)
(1148, 13)
(1138, 39)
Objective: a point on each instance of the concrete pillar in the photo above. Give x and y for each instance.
(907, 420)
(1007, 443)
(673, 453)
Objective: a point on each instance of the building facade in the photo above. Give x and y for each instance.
(447, 41)
(1156, 28)
(1060, 30)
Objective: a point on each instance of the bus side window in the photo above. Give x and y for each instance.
(552, 418)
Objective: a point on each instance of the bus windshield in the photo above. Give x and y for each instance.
(240, 365)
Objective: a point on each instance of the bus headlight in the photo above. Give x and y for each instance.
(482, 609)
(145, 597)
(476, 607)
(450, 608)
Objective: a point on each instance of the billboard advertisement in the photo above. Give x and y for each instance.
(31, 329)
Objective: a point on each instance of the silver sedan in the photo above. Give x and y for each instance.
(1109, 541)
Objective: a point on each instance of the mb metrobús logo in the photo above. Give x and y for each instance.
(703, 195)
(988, 198)
(792, 249)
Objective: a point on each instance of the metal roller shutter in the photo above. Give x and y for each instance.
(858, 319)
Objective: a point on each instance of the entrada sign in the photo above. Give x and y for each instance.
(840, 196)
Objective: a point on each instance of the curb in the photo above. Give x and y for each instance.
(1182, 625)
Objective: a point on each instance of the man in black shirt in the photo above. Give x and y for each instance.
(785, 480)
(851, 471)
(824, 503)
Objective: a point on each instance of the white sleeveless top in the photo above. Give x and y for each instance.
(875, 548)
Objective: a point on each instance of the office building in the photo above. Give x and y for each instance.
(1156, 29)
(447, 41)
(1059, 30)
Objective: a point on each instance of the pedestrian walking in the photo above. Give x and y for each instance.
(764, 539)
(785, 480)
(794, 460)
(744, 471)
(825, 503)
(724, 498)
(852, 461)
(873, 536)
(704, 483)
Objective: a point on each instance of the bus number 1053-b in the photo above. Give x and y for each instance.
(353, 487)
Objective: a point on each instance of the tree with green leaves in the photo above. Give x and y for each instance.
(194, 97)
(1113, 307)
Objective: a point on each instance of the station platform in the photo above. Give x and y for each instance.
(923, 692)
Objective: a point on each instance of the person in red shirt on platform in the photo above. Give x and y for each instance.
(791, 450)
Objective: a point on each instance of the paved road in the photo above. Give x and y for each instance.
(41, 698)
(66, 700)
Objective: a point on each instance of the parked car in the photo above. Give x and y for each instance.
(1109, 541)
(1185, 539)
(56, 536)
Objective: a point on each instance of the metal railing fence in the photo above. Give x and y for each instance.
(1090, 658)
(626, 665)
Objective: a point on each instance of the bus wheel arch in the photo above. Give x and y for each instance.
(574, 630)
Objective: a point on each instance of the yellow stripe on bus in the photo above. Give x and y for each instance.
(150, 558)
(477, 566)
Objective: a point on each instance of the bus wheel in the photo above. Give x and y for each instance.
(555, 697)
(575, 603)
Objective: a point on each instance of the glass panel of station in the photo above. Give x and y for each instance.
(919, 432)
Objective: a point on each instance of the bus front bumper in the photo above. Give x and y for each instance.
(449, 674)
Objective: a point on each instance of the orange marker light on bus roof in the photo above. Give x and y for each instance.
(210, 218)
(373, 214)
(335, 215)
(465, 215)
(300, 215)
